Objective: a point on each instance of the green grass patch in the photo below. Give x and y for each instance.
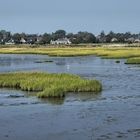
(49, 85)
(135, 60)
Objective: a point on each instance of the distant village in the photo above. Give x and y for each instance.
(61, 37)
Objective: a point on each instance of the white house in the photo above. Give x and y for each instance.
(10, 42)
(22, 40)
(65, 41)
(114, 40)
(137, 41)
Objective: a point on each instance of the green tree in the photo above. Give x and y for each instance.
(59, 34)
(110, 36)
(16, 38)
(46, 38)
(83, 37)
(1, 37)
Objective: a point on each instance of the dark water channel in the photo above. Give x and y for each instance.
(113, 114)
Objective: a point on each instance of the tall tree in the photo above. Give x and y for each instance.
(84, 37)
(46, 38)
(110, 36)
(59, 34)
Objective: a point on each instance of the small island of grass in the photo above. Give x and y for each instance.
(133, 60)
(49, 85)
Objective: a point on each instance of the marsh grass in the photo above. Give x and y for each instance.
(103, 52)
(49, 85)
(107, 52)
(135, 60)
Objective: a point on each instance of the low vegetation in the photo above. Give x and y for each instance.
(49, 85)
(103, 52)
(135, 60)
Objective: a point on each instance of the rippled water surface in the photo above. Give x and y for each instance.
(112, 114)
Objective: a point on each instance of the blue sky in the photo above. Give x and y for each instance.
(39, 16)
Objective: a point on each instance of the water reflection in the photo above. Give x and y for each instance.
(72, 97)
(81, 97)
(53, 101)
(18, 97)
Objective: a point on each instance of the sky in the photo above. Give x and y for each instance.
(39, 16)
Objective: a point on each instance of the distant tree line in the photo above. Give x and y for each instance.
(77, 38)
(118, 37)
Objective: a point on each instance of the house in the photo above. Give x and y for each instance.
(130, 40)
(137, 40)
(64, 41)
(10, 42)
(1, 41)
(113, 40)
(22, 41)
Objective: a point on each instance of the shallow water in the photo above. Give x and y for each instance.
(112, 114)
